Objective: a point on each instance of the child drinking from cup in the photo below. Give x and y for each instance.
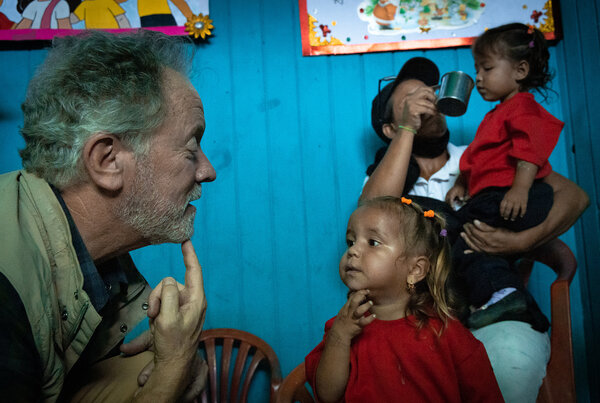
(395, 338)
(502, 169)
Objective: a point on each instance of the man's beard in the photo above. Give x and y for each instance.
(155, 217)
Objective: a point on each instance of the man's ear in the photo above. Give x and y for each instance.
(104, 161)
(418, 269)
(388, 130)
(522, 70)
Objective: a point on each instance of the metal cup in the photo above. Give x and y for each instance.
(454, 92)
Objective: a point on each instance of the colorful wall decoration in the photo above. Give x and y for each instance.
(360, 26)
(45, 19)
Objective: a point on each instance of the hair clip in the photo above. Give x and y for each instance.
(443, 233)
(531, 29)
(531, 44)
(429, 213)
(405, 200)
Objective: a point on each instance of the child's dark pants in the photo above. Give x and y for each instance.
(484, 274)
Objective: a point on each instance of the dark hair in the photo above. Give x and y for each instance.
(22, 5)
(518, 42)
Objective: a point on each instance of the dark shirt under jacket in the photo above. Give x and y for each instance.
(21, 371)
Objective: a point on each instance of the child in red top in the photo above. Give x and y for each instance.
(502, 168)
(395, 338)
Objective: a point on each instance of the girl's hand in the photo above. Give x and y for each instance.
(351, 319)
(416, 104)
(457, 195)
(514, 203)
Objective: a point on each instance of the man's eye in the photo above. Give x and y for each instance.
(373, 242)
(192, 155)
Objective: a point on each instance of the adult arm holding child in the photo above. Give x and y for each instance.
(570, 201)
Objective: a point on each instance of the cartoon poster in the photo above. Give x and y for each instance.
(44, 19)
(360, 26)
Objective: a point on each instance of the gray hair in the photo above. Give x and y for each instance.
(96, 83)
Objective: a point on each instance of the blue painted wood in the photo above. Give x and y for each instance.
(290, 138)
(579, 63)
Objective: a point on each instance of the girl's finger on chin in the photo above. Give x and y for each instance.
(363, 308)
(365, 320)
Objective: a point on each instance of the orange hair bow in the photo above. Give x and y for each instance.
(429, 213)
(405, 200)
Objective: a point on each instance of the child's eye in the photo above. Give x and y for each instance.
(373, 242)
(349, 242)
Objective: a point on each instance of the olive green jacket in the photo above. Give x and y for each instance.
(38, 258)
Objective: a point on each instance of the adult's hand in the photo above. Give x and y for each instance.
(179, 322)
(481, 237)
(199, 370)
(176, 323)
(570, 201)
(417, 103)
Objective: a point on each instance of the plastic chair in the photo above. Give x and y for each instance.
(227, 384)
(559, 383)
(293, 389)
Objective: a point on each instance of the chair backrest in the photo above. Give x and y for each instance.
(227, 384)
(559, 383)
(293, 388)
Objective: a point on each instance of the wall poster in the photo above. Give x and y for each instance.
(44, 19)
(359, 26)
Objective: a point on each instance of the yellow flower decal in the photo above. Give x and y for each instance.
(199, 25)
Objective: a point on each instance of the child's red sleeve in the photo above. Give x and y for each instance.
(534, 136)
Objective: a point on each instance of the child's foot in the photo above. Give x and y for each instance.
(512, 307)
(497, 296)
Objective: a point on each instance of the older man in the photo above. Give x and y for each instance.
(420, 161)
(112, 160)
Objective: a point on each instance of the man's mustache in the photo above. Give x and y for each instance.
(195, 194)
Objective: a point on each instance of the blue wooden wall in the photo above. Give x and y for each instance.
(290, 138)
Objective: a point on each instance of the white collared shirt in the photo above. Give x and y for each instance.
(442, 181)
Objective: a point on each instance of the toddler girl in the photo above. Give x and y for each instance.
(395, 337)
(502, 168)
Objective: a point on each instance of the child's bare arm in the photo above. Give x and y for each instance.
(334, 367)
(515, 200)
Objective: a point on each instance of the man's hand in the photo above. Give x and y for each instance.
(481, 237)
(351, 320)
(416, 104)
(199, 370)
(514, 203)
(177, 326)
(176, 314)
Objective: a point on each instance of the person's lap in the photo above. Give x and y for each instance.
(519, 356)
(110, 380)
